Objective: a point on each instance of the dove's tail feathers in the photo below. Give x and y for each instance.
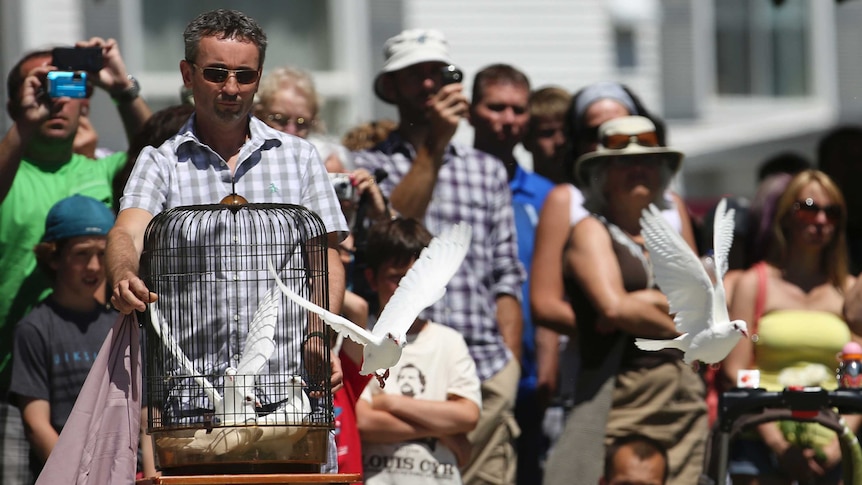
(654, 345)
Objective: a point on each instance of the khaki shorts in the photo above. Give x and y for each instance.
(667, 404)
(494, 459)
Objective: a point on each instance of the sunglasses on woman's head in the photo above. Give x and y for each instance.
(807, 211)
(219, 74)
(618, 142)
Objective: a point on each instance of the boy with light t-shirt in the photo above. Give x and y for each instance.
(414, 431)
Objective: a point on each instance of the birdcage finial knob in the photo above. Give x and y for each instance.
(233, 200)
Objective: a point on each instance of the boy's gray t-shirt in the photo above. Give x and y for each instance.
(53, 351)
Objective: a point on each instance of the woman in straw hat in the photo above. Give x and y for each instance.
(622, 389)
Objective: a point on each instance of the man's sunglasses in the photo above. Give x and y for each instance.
(618, 142)
(807, 211)
(219, 74)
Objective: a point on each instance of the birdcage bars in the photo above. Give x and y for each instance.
(233, 371)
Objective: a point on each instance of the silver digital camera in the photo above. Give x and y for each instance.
(343, 186)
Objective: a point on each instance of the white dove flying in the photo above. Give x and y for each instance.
(164, 334)
(237, 404)
(422, 286)
(707, 334)
(239, 398)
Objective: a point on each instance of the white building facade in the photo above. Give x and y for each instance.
(737, 80)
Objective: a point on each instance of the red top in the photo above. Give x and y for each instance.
(344, 404)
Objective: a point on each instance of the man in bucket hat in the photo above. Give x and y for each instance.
(440, 183)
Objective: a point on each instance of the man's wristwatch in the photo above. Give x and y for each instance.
(129, 94)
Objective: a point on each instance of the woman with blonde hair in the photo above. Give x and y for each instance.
(287, 100)
(793, 303)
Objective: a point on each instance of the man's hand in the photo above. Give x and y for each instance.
(336, 379)
(367, 186)
(460, 446)
(131, 294)
(34, 105)
(445, 110)
(113, 77)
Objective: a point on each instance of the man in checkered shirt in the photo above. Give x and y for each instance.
(221, 150)
(441, 183)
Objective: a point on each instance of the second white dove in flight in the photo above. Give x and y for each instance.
(707, 334)
(422, 286)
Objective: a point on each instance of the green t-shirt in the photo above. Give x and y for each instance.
(36, 188)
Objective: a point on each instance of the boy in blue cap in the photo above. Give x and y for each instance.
(57, 342)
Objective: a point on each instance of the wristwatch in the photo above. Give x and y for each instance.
(129, 94)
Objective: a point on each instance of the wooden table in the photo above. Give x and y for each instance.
(265, 479)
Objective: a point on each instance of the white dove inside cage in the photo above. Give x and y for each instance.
(236, 375)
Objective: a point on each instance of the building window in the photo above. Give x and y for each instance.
(297, 31)
(624, 41)
(762, 49)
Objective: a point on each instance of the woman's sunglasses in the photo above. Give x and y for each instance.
(807, 211)
(219, 75)
(618, 142)
(282, 121)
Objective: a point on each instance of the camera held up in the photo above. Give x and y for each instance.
(452, 75)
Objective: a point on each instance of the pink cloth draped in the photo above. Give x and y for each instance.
(99, 444)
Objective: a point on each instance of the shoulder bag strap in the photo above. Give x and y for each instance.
(759, 301)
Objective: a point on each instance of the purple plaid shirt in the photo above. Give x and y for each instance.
(472, 187)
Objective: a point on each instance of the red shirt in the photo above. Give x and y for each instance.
(344, 404)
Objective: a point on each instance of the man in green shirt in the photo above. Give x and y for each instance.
(37, 169)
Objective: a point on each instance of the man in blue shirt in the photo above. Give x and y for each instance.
(500, 117)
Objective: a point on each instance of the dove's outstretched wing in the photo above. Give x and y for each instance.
(425, 282)
(722, 239)
(336, 322)
(679, 273)
(260, 340)
(164, 333)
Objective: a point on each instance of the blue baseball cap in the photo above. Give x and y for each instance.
(76, 216)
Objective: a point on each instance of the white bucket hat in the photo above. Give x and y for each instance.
(410, 47)
(630, 126)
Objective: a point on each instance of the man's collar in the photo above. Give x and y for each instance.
(259, 132)
(521, 181)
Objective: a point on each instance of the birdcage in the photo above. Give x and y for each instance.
(237, 376)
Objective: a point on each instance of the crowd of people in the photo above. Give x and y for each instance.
(526, 370)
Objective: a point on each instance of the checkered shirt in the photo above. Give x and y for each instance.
(472, 187)
(273, 167)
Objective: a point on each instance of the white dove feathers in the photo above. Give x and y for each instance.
(238, 403)
(423, 285)
(239, 399)
(707, 334)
